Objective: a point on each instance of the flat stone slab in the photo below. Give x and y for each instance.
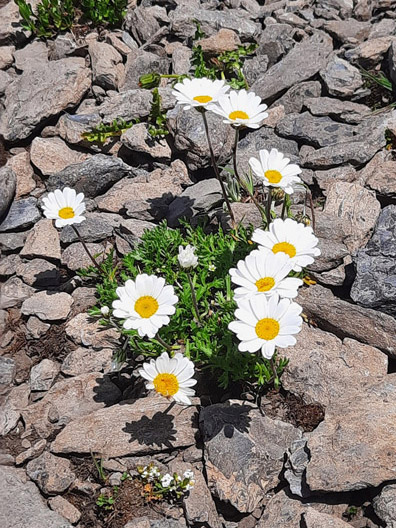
(147, 425)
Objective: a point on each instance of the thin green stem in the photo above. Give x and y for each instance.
(162, 342)
(216, 169)
(284, 207)
(274, 373)
(193, 297)
(268, 210)
(93, 260)
(239, 179)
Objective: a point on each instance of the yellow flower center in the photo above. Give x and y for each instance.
(166, 384)
(273, 176)
(285, 247)
(146, 306)
(66, 213)
(265, 284)
(267, 328)
(203, 98)
(238, 114)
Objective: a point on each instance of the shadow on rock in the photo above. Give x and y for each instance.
(158, 430)
(106, 391)
(213, 419)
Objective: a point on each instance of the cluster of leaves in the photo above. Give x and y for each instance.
(208, 343)
(107, 500)
(157, 119)
(53, 16)
(228, 65)
(101, 132)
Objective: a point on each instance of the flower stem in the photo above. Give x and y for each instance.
(93, 260)
(239, 179)
(268, 211)
(193, 297)
(162, 342)
(274, 373)
(284, 207)
(216, 169)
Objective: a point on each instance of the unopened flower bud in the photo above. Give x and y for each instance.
(278, 194)
(303, 219)
(187, 257)
(149, 80)
(105, 310)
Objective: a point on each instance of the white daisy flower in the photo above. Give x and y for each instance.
(199, 92)
(65, 207)
(292, 238)
(275, 170)
(187, 257)
(240, 108)
(171, 377)
(264, 273)
(263, 324)
(145, 303)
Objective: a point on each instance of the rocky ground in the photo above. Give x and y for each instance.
(321, 454)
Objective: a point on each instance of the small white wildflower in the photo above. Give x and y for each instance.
(188, 474)
(212, 267)
(166, 480)
(190, 485)
(187, 257)
(105, 310)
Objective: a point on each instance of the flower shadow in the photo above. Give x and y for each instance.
(156, 431)
(227, 417)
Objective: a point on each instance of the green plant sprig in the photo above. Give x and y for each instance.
(101, 132)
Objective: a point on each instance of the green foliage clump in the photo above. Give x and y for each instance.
(101, 132)
(53, 16)
(227, 66)
(157, 119)
(208, 342)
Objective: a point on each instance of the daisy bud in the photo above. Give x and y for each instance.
(278, 194)
(187, 257)
(105, 310)
(149, 80)
(303, 219)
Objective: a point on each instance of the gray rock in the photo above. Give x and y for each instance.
(370, 53)
(10, 28)
(52, 155)
(375, 282)
(350, 30)
(13, 292)
(20, 164)
(240, 467)
(136, 427)
(275, 40)
(190, 139)
(43, 374)
(85, 330)
(254, 67)
(38, 273)
(52, 474)
(107, 67)
(148, 195)
(383, 28)
(84, 298)
(22, 213)
(70, 127)
(7, 373)
(385, 505)
(357, 207)
(313, 519)
(36, 328)
(301, 63)
(296, 465)
(323, 368)
(42, 92)
(48, 306)
(5, 80)
(129, 105)
(142, 22)
(380, 174)
(75, 256)
(182, 22)
(327, 178)
(65, 508)
(293, 100)
(7, 56)
(70, 399)
(42, 241)
(392, 62)
(23, 499)
(138, 140)
(92, 177)
(84, 360)
(7, 189)
(96, 227)
(282, 512)
(197, 199)
(341, 78)
(31, 453)
(348, 320)
(145, 522)
(181, 60)
(345, 111)
(29, 56)
(139, 62)
(355, 429)
(316, 131)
